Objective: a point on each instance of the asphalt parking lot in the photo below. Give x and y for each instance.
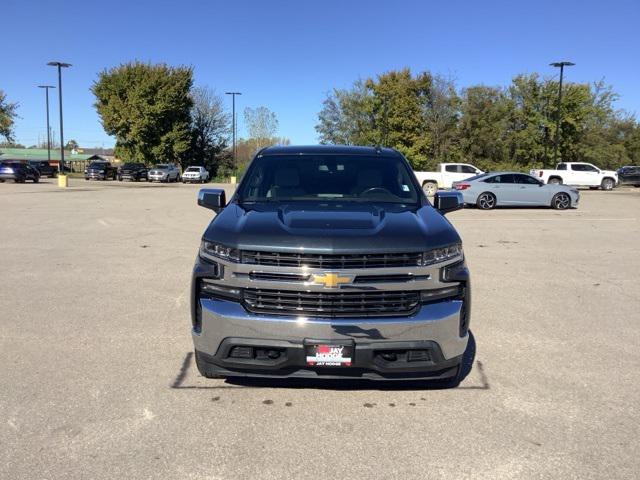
(98, 381)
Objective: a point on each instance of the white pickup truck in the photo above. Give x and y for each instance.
(579, 174)
(447, 174)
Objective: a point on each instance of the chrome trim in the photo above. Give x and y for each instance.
(426, 278)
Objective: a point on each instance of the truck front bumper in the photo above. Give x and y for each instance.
(94, 176)
(434, 331)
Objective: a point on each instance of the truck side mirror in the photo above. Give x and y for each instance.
(446, 202)
(212, 198)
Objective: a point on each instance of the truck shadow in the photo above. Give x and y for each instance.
(468, 362)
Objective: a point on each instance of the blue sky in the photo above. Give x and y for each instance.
(287, 54)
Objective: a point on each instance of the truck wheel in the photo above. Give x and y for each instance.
(486, 201)
(204, 368)
(607, 184)
(430, 188)
(555, 181)
(561, 201)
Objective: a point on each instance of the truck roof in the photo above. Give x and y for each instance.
(327, 150)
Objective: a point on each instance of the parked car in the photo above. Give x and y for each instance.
(579, 174)
(195, 175)
(100, 170)
(629, 175)
(329, 262)
(164, 172)
(44, 168)
(495, 189)
(133, 171)
(446, 174)
(18, 172)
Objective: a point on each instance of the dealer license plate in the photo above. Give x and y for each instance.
(329, 355)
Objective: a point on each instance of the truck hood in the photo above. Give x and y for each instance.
(331, 228)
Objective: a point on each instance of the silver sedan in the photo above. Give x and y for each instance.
(495, 189)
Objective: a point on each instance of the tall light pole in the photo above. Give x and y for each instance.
(561, 65)
(60, 66)
(46, 89)
(233, 113)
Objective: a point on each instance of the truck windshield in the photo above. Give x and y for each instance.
(326, 178)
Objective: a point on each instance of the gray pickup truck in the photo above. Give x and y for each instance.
(330, 262)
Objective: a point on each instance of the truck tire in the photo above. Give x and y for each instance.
(561, 201)
(607, 184)
(555, 181)
(486, 201)
(430, 188)
(204, 368)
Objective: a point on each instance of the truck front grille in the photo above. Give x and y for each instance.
(330, 304)
(332, 261)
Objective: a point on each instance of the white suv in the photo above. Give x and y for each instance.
(164, 173)
(195, 175)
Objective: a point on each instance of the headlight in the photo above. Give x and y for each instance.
(439, 255)
(213, 251)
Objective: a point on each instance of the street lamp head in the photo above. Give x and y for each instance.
(59, 64)
(562, 64)
(46, 86)
(232, 93)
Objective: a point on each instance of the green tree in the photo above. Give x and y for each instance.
(247, 148)
(147, 108)
(7, 117)
(71, 145)
(396, 109)
(514, 127)
(442, 113)
(484, 125)
(398, 101)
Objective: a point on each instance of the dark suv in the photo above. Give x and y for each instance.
(133, 171)
(100, 171)
(330, 262)
(18, 172)
(629, 175)
(44, 168)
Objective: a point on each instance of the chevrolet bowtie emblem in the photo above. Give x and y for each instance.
(330, 280)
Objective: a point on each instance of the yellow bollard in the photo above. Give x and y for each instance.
(63, 181)
(233, 180)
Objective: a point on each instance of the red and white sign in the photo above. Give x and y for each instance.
(329, 355)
